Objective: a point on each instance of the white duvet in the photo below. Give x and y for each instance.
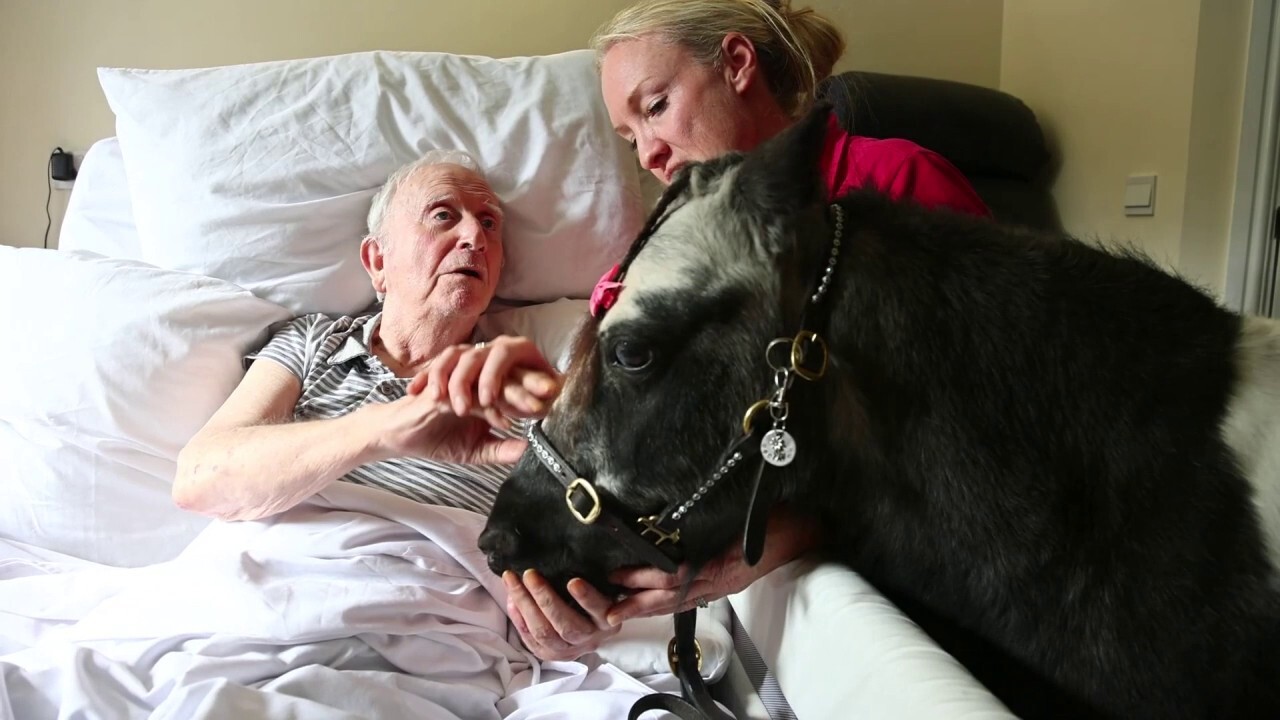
(357, 604)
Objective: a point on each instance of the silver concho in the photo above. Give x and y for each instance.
(778, 447)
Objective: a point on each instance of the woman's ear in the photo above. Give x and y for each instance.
(372, 258)
(739, 56)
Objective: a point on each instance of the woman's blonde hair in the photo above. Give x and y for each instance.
(796, 49)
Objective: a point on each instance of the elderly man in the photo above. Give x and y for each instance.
(398, 399)
(433, 253)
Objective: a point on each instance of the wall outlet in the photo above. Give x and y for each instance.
(62, 184)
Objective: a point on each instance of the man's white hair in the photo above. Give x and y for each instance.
(382, 200)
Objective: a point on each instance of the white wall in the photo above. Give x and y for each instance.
(50, 48)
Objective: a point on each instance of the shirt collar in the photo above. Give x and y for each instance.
(358, 341)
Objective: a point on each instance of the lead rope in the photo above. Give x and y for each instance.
(685, 659)
(778, 448)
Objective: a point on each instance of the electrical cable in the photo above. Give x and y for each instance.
(48, 176)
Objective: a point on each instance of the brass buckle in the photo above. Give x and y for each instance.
(673, 661)
(651, 526)
(797, 355)
(591, 491)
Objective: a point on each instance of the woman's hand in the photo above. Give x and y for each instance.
(655, 592)
(549, 626)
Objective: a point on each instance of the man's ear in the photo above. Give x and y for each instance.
(738, 55)
(372, 258)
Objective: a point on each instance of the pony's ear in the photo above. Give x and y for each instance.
(783, 175)
(785, 171)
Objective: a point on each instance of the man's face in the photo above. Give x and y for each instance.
(441, 242)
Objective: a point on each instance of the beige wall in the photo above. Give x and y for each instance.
(1137, 87)
(1121, 87)
(1216, 105)
(50, 48)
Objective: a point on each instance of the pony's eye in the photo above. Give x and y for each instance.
(632, 355)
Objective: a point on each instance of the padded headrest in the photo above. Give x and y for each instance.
(980, 130)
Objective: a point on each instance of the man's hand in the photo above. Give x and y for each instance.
(506, 377)
(443, 416)
(413, 426)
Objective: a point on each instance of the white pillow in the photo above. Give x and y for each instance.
(117, 365)
(551, 326)
(262, 174)
(99, 217)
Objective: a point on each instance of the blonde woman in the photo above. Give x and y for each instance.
(684, 81)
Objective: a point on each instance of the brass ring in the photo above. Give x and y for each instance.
(797, 355)
(591, 491)
(673, 661)
(751, 414)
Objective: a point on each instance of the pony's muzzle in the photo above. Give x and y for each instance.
(500, 546)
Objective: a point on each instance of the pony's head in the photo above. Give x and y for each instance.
(653, 435)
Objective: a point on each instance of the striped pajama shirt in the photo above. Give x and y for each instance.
(340, 373)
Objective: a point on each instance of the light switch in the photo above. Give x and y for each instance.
(1140, 195)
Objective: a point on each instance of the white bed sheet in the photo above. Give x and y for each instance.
(358, 604)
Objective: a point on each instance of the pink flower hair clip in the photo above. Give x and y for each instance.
(606, 291)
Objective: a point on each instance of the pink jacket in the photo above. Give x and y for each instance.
(899, 168)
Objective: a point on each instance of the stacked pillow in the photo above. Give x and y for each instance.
(262, 174)
(117, 366)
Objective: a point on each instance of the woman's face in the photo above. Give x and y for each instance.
(672, 108)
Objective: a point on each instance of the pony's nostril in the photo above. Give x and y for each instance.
(497, 540)
(499, 546)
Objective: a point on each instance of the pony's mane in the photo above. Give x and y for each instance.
(656, 218)
(583, 366)
(580, 375)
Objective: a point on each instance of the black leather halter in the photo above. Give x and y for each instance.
(585, 505)
(646, 536)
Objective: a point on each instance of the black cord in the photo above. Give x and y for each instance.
(48, 177)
